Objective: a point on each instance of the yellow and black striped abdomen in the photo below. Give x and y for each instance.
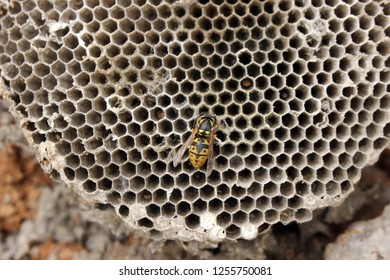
(199, 151)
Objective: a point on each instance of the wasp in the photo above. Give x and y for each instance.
(200, 143)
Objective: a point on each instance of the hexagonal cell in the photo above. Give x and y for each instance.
(168, 210)
(137, 183)
(89, 186)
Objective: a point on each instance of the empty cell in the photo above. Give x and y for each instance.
(140, 114)
(278, 81)
(160, 196)
(317, 188)
(283, 160)
(77, 119)
(351, 146)
(221, 162)
(145, 222)
(240, 218)
(128, 198)
(65, 81)
(85, 15)
(149, 12)
(175, 196)
(134, 156)
(128, 169)
(111, 171)
(112, 51)
(78, 147)
(25, 70)
(215, 206)
(238, 191)
(223, 219)
(104, 184)
(346, 187)
(228, 149)
(372, 76)
(256, 217)
(375, 34)
(287, 189)
(191, 194)
(295, 202)
(301, 189)
(49, 82)
(379, 143)
(165, 127)
(149, 155)
(199, 206)
(123, 211)
(365, 145)
(81, 174)
(245, 176)
(183, 208)
(235, 136)
(192, 221)
(248, 203)
(236, 162)
(60, 123)
(303, 215)
(119, 130)
(231, 204)
(251, 161)
(42, 125)
(241, 123)
(263, 203)
(208, 73)
(35, 111)
(205, 23)
(38, 138)
(153, 211)
(96, 172)
(238, 72)
(279, 203)
(152, 182)
(271, 216)
(168, 210)
(167, 181)
(137, 62)
(89, 186)
(34, 83)
(384, 47)
(382, 20)
(70, 134)
(323, 174)
(164, 11)
(143, 26)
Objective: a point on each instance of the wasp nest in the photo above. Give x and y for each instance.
(107, 91)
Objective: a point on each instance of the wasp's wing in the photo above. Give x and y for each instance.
(183, 148)
(210, 160)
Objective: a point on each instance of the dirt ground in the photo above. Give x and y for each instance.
(43, 219)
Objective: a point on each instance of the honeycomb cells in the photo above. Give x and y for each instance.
(108, 92)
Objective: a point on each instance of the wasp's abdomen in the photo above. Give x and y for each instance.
(199, 150)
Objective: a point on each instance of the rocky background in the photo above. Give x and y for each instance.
(43, 219)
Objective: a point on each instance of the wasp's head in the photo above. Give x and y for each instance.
(206, 124)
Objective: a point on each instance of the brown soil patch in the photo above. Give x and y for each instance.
(19, 178)
(53, 250)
